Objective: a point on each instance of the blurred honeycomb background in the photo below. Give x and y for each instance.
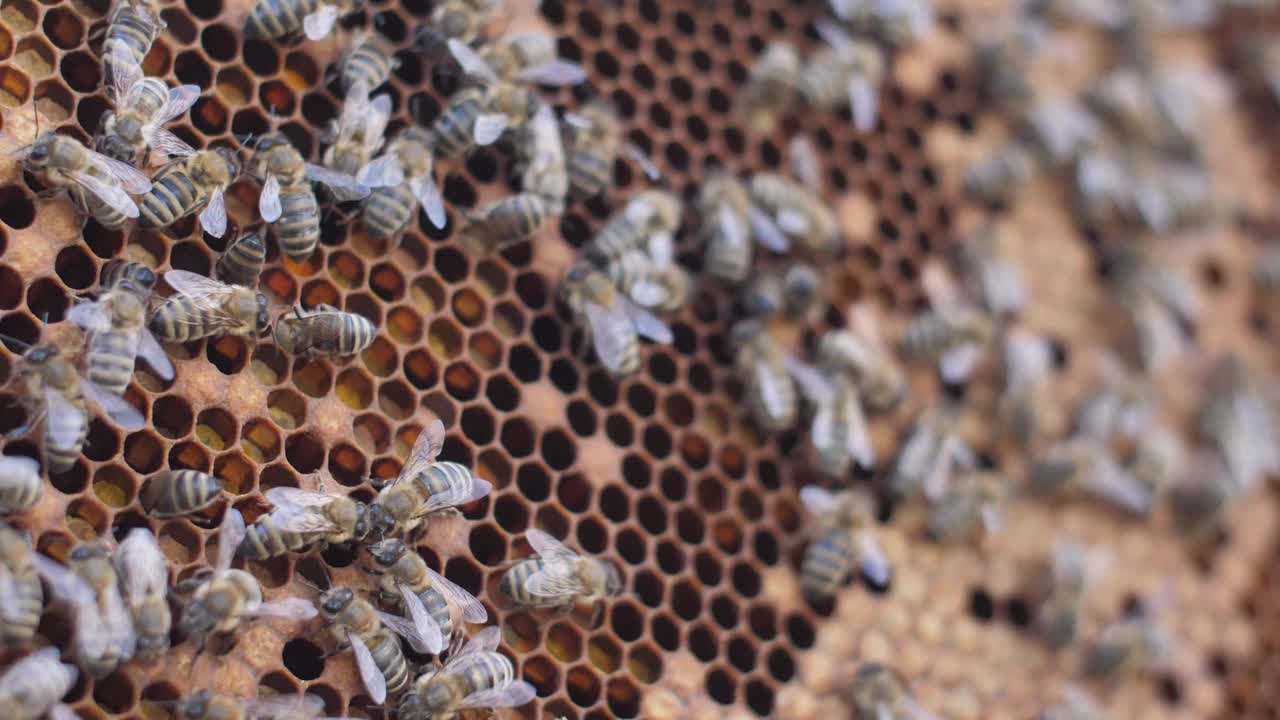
(663, 472)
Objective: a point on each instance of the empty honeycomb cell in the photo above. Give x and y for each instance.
(209, 115)
(461, 381)
(304, 660)
(260, 440)
(508, 319)
(593, 537)
(86, 519)
(347, 465)
(287, 408)
(451, 265)
(727, 534)
(618, 428)
(114, 486)
(657, 441)
(346, 269)
(541, 672)
(704, 643)
(47, 300)
(276, 97)
(372, 434)
(547, 334)
(18, 212)
(172, 416)
(192, 257)
(115, 692)
(478, 425)
(420, 369)
(268, 365)
(313, 377)
(305, 452)
(534, 481)
(488, 545)
(355, 389)
(143, 452)
(583, 686)
(72, 480)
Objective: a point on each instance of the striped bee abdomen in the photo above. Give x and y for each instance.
(298, 228)
(388, 210)
(264, 540)
(277, 18)
(589, 173)
(387, 655)
(438, 608)
(172, 197)
(367, 63)
(19, 621)
(827, 563)
(111, 358)
(180, 319)
(75, 425)
(513, 584)
(452, 132)
(446, 477)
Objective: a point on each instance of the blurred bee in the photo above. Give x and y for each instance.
(1128, 647)
(1027, 359)
(143, 105)
(474, 677)
(355, 624)
(56, 394)
(767, 372)
(323, 331)
(301, 519)
(648, 222)
(725, 208)
(1123, 406)
(1266, 269)
(1076, 704)
(973, 503)
(1158, 458)
(998, 176)
(859, 353)
(530, 57)
(423, 486)
(144, 575)
(126, 272)
(403, 569)
(1201, 496)
(542, 156)
(609, 321)
(270, 19)
(842, 537)
(790, 211)
(220, 597)
(366, 62)
(952, 333)
(663, 287)
(930, 452)
(241, 263)
(839, 432)
(795, 290)
(879, 692)
(356, 136)
(989, 274)
(88, 584)
(99, 185)
(135, 25)
(457, 20)
(195, 181)
(559, 577)
(1086, 465)
(204, 705)
(1061, 591)
(843, 72)
(389, 209)
(34, 685)
(1161, 305)
(20, 483)
(204, 308)
(502, 223)
(1002, 59)
(1238, 423)
(179, 492)
(592, 142)
(479, 115)
(21, 594)
(287, 200)
(771, 89)
(117, 330)
(1059, 129)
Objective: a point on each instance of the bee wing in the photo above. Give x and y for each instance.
(269, 201)
(647, 324)
(118, 623)
(1116, 485)
(471, 62)
(424, 625)
(317, 26)
(871, 559)
(120, 412)
(482, 642)
(648, 293)
(864, 102)
(344, 183)
(91, 316)
(9, 601)
(230, 535)
(938, 473)
(296, 499)
(141, 566)
(956, 364)
(558, 578)
(1002, 287)
(730, 223)
(131, 178)
(488, 128)
(385, 171)
(303, 521)
(126, 73)
(113, 196)
(767, 231)
(472, 610)
(179, 101)
(514, 694)
(804, 161)
(292, 608)
(478, 489)
(611, 332)
(425, 449)
(547, 547)
(639, 157)
(558, 72)
(62, 712)
(370, 675)
(205, 292)
(818, 501)
(858, 440)
(64, 584)
(424, 188)
(813, 384)
(149, 350)
(166, 143)
(214, 216)
(291, 707)
(770, 385)
(405, 628)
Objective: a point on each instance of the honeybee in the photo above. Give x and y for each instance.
(356, 135)
(879, 692)
(1059, 129)
(1160, 304)
(952, 333)
(57, 395)
(455, 20)
(559, 577)
(402, 569)
(126, 272)
(21, 594)
(315, 18)
(1084, 464)
(355, 623)
(542, 155)
(287, 200)
(195, 181)
(87, 583)
(1158, 458)
(99, 185)
(593, 140)
(610, 322)
(502, 223)
(844, 71)
(1200, 497)
(1027, 360)
(204, 308)
(663, 287)
(241, 263)
(117, 335)
(1076, 704)
(367, 63)
(144, 575)
(204, 705)
(725, 208)
(220, 597)
(389, 209)
(143, 105)
(990, 275)
(859, 352)
(771, 88)
(1001, 60)
(795, 290)
(323, 331)
(839, 432)
(1124, 405)
(20, 483)
(648, 222)
(302, 518)
(932, 449)
(998, 176)
(842, 537)
(767, 372)
(1070, 570)
(1238, 423)
(423, 486)
(1128, 647)
(135, 24)
(529, 57)
(474, 677)
(33, 686)
(179, 492)
(971, 504)
(477, 116)
(795, 213)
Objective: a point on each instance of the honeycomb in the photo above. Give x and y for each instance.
(663, 472)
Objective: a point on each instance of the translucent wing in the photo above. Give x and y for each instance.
(730, 223)
(871, 559)
(426, 628)
(296, 499)
(64, 584)
(370, 675)
(771, 386)
(864, 103)
(831, 33)
(792, 221)
(472, 610)
(120, 412)
(647, 293)
(1116, 485)
(858, 439)
(611, 332)
(938, 473)
(111, 195)
(287, 608)
(317, 25)
(661, 247)
(9, 601)
(91, 316)
(269, 202)
(303, 521)
(346, 184)
(477, 489)
(424, 188)
(284, 707)
(404, 628)
(118, 623)
(818, 501)
(166, 143)
(15, 470)
(804, 161)
(126, 73)
(425, 449)
(214, 216)
(647, 324)
(471, 62)
(230, 534)
(515, 694)
(489, 127)
(547, 546)
(484, 641)
(149, 350)
(767, 231)
(385, 171)
(141, 566)
(62, 712)
(556, 579)
(639, 157)
(180, 100)
(813, 384)
(205, 292)
(556, 73)
(131, 178)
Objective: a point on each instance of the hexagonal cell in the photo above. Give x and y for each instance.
(604, 653)
(305, 452)
(404, 326)
(372, 434)
(172, 416)
(34, 56)
(54, 101)
(86, 519)
(216, 428)
(583, 686)
(381, 358)
(179, 542)
(542, 672)
(189, 456)
(508, 319)
(313, 377)
(260, 440)
(268, 365)
(143, 452)
(19, 16)
(15, 87)
(420, 369)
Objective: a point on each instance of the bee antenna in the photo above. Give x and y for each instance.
(16, 341)
(247, 141)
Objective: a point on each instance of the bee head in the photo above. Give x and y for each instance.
(380, 521)
(336, 600)
(197, 617)
(387, 552)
